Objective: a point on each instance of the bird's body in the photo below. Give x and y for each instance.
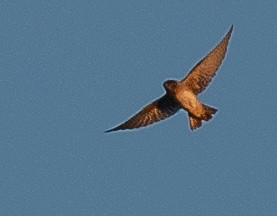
(187, 99)
(189, 102)
(183, 94)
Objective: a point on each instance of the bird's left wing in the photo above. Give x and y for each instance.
(202, 73)
(158, 110)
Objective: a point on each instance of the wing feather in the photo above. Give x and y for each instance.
(160, 109)
(203, 72)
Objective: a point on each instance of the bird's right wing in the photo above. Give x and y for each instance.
(160, 109)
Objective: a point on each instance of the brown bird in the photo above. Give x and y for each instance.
(183, 94)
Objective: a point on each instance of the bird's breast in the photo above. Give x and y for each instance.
(187, 99)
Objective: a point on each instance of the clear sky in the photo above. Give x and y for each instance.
(72, 69)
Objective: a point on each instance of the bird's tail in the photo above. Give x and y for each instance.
(196, 122)
(208, 112)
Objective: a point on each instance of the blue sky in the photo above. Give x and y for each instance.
(71, 70)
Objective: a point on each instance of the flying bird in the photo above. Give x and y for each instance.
(183, 94)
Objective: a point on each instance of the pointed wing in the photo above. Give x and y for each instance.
(202, 73)
(158, 110)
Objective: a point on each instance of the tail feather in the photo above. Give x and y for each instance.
(209, 111)
(196, 122)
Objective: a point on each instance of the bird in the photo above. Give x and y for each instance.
(183, 94)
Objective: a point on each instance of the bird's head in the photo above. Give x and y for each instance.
(170, 86)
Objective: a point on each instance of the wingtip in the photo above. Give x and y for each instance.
(110, 130)
(113, 129)
(229, 33)
(231, 29)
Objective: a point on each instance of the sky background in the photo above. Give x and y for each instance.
(72, 69)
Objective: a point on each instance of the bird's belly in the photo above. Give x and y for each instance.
(188, 100)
